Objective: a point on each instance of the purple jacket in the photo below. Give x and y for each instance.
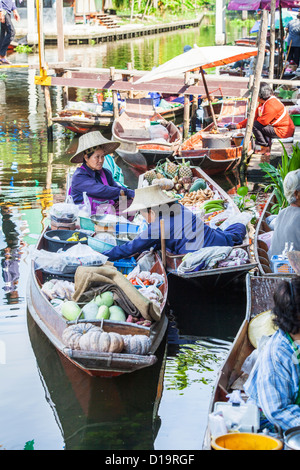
(89, 181)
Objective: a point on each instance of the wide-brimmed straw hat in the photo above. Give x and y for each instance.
(148, 197)
(92, 141)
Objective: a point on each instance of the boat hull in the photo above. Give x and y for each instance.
(95, 364)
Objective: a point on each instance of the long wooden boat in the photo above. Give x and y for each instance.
(139, 148)
(95, 364)
(260, 290)
(215, 158)
(215, 275)
(261, 247)
(81, 122)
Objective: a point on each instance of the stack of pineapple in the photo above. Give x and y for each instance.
(172, 176)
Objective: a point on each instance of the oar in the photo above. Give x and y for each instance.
(163, 242)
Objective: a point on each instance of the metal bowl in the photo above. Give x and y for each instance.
(292, 438)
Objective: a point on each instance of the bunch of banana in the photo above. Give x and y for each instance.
(214, 205)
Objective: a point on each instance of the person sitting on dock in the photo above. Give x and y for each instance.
(104, 193)
(273, 383)
(272, 120)
(287, 222)
(185, 231)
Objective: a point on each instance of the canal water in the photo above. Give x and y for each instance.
(45, 404)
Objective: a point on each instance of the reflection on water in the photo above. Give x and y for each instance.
(42, 399)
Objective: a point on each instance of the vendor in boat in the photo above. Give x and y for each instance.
(287, 223)
(271, 121)
(104, 193)
(273, 383)
(185, 231)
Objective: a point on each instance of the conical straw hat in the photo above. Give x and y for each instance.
(148, 197)
(90, 141)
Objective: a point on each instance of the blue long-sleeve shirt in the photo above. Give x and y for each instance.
(274, 382)
(184, 232)
(89, 181)
(7, 5)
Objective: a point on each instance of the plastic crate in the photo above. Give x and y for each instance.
(295, 118)
(125, 266)
(48, 276)
(127, 227)
(281, 266)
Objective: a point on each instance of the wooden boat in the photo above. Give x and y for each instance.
(217, 158)
(95, 364)
(215, 275)
(261, 246)
(81, 122)
(137, 148)
(260, 290)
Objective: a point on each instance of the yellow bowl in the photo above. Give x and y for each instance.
(246, 441)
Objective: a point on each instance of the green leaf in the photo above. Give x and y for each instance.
(242, 191)
(29, 445)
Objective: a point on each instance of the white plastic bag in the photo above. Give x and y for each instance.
(84, 209)
(242, 218)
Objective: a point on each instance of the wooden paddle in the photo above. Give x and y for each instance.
(294, 259)
(163, 242)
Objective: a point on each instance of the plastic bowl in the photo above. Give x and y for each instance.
(246, 441)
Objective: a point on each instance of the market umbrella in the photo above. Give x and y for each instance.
(200, 58)
(249, 5)
(287, 16)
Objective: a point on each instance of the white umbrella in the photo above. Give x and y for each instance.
(199, 57)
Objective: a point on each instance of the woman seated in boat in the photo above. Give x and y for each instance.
(273, 383)
(271, 121)
(104, 193)
(185, 231)
(287, 222)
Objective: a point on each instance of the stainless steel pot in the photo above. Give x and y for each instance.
(292, 438)
(216, 141)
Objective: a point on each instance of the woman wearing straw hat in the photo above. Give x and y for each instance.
(185, 231)
(97, 182)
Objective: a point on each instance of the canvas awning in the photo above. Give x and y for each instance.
(199, 57)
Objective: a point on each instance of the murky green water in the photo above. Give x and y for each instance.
(42, 399)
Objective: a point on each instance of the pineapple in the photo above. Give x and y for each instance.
(185, 170)
(170, 168)
(150, 175)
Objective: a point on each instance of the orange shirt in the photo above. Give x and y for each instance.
(273, 112)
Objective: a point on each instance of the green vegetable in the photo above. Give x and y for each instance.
(70, 310)
(90, 310)
(200, 183)
(103, 312)
(106, 298)
(117, 313)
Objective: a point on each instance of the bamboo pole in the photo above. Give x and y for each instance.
(186, 110)
(209, 98)
(255, 90)
(272, 41)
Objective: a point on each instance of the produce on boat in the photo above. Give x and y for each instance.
(197, 191)
(94, 315)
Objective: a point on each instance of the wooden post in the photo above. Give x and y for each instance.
(209, 99)
(48, 112)
(60, 30)
(272, 41)
(186, 110)
(114, 95)
(129, 79)
(255, 89)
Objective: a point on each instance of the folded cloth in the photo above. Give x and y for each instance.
(237, 257)
(205, 258)
(89, 280)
